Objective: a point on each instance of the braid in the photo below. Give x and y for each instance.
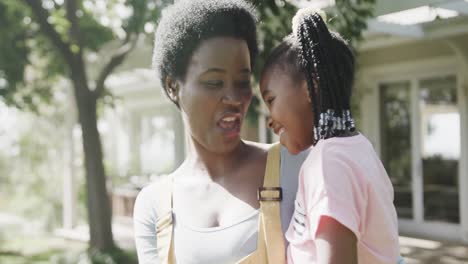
(310, 62)
(340, 84)
(347, 69)
(311, 40)
(316, 56)
(324, 40)
(336, 90)
(332, 64)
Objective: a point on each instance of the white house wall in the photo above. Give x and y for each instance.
(408, 52)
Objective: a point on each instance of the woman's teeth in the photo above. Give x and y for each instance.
(229, 122)
(229, 119)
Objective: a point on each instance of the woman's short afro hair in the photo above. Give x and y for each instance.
(185, 24)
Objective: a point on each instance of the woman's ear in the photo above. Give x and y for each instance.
(172, 89)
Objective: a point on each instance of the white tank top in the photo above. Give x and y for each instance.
(214, 245)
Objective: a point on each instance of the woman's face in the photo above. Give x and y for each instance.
(291, 115)
(216, 93)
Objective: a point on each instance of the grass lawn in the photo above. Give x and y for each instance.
(53, 250)
(39, 250)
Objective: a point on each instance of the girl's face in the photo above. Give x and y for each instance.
(216, 93)
(290, 107)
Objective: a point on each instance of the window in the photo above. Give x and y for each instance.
(440, 129)
(435, 119)
(395, 134)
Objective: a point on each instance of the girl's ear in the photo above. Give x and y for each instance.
(172, 89)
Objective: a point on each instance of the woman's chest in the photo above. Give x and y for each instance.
(213, 205)
(223, 244)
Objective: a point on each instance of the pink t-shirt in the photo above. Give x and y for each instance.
(343, 178)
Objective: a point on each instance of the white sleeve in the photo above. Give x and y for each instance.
(144, 225)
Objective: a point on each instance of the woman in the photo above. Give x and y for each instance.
(204, 54)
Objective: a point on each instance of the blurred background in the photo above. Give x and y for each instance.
(84, 124)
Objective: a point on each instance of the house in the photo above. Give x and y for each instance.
(413, 94)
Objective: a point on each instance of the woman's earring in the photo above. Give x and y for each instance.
(173, 94)
(172, 90)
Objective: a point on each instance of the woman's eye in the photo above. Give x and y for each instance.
(213, 84)
(245, 84)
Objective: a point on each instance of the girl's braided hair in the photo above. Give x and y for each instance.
(326, 62)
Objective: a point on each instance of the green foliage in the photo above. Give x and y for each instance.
(93, 34)
(149, 12)
(35, 169)
(13, 47)
(275, 23)
(349, 18)
(5, 168)
(25, 48)
(114, 256)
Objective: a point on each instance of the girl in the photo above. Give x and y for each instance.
(344, 210)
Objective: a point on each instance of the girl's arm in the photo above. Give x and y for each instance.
(335, 243)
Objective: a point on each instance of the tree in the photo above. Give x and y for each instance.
(50, 39)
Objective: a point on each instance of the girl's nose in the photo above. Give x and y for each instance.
(270, 122)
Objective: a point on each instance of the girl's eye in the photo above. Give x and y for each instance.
(270, 100)
(213, 84)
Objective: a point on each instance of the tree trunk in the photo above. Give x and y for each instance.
(98, 204)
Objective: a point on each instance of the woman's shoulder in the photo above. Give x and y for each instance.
(149, 199)
(150, 192)
(257, 151)
(147, 194)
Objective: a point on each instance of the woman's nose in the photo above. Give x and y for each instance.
(232, 98)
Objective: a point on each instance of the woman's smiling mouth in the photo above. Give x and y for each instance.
(230, 124)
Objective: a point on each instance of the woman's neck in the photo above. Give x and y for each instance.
(216, 165)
